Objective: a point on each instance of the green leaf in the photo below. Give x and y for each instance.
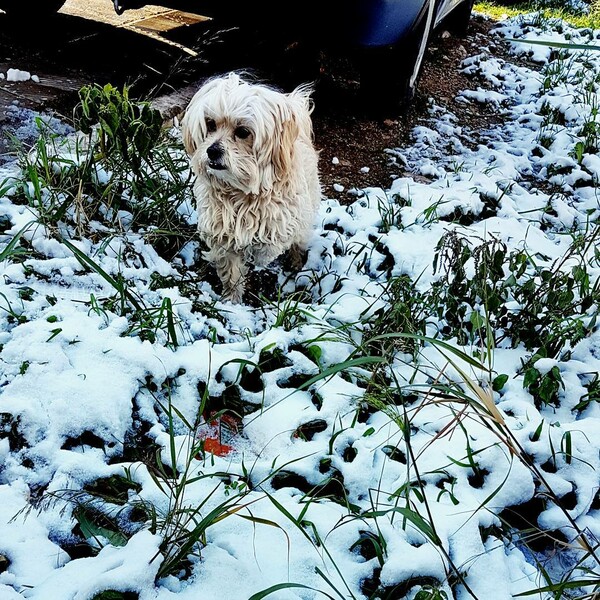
(86, 261)
(10, 248)
(171, 321)
(567, 447)
(535, 436)
(476, 320)
(499, 382)
(531, 376)
(315, 352)
(414, 517)
(548, 389)
(54, 333)
(555, 373)
(355, 362)
(89, 529)
(560, 587)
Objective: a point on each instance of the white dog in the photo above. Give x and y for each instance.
(257, 183)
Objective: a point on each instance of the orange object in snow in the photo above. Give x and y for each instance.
(218, 430)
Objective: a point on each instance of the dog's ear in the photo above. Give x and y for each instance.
(302, 105)
(188, 125)
(193, 129)
(283, 148)
(296, 122)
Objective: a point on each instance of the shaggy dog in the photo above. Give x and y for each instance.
(257, 184)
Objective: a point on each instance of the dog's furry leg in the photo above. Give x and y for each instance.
(297, 256)
(232, 272)
(263, 254)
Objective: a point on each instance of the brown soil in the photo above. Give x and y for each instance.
(360, 141)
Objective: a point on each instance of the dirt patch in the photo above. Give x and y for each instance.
(359, 143)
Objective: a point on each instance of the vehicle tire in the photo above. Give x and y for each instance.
(31, 9)
(386, 72)
(457, 22)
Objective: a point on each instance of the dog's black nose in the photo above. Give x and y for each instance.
(215, 151)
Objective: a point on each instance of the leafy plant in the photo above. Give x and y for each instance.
(405, 310)
(544, 387)
(129, 172)
(593, 392)
(390, 210)
(556, 307)
(289, 311)
(127, 131)
(147, 322)
(431, 593)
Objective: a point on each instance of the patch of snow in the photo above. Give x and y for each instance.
(17, 75)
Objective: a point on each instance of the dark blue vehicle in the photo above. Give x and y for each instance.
(386, 38)
(389, 38)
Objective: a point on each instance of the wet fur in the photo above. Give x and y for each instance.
(264, 200)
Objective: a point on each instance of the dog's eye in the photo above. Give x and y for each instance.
(211, 126)
(242, 132)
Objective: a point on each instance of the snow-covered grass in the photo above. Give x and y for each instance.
(414, 414)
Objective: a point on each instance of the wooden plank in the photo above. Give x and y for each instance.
(9, 100)
(168, 21)
(103, 11)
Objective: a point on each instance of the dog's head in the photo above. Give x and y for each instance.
(242, 135)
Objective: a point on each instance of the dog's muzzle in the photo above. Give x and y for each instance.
(215, 155)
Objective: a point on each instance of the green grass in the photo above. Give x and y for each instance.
(548, 8)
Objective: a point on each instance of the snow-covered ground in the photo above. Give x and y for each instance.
(349, 476)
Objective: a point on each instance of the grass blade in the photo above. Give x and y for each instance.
(86, 261)
(285, 586)
(9, 250)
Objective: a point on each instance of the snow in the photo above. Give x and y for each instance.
(17, 75)
(80, 387)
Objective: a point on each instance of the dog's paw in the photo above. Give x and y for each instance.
(296, 257)
(234, 295)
